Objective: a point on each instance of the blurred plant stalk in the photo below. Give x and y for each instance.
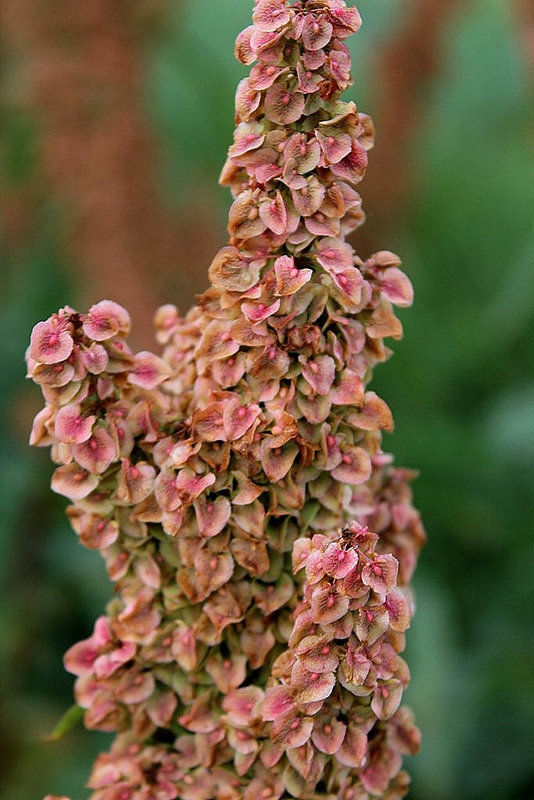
(85, 67)
(525, 14)
(406, 66)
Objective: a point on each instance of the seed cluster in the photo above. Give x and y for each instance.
(212, 476)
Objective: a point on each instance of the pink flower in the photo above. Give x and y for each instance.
(108, 663)
(338, 561)
(306, 82)
(315, 567)
(264, 75)
(266, 785)
(244, 52)
(265, 42)
(316, 32)
(139, 619)
(372, 622)
(148, 371)
(73, 482)
(135, 686)
(283, 105)
(105, 320)
(386, 699)
(95, 359)
(184, 647)
(71, 427)
(381, 573)
(355, 467)
(352, 167)
(303, 153)
(212, 515)
(176, 489)
(308, 766)
(319, 373)
(274, 596)
(227, 673)
(398, 608)
(317, 654)
(270, 15)
(335, 144)
(95, 531)
(96, 453)
(51, 341)
(327, 605)
(328, 735)
(277, 461)
(334, 255)
(229, 270)
(53, 375)
(244, 221)
(257, 312)
(374, 414)
(307, 197)
(396, 287)
(40, 435)
(350, 289)
(274, 215)
(349, 389)
(291, 730)
(136, 481)
(80, 658)
(345, 20)
(353, 751)
(278, 701)
(242, 706)
(148, 571)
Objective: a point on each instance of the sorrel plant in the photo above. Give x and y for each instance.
(260, 542)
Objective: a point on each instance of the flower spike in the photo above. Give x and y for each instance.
(250, 650)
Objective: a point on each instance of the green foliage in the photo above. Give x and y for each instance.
(68, 721)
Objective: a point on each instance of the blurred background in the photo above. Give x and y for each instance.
(117, 116)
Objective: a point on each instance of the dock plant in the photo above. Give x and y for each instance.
(260, 541)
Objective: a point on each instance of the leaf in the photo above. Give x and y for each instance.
(68, 721)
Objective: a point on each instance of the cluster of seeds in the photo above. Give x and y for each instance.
(210, 475)
(341, 677)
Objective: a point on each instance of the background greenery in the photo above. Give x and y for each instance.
(461, 386)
